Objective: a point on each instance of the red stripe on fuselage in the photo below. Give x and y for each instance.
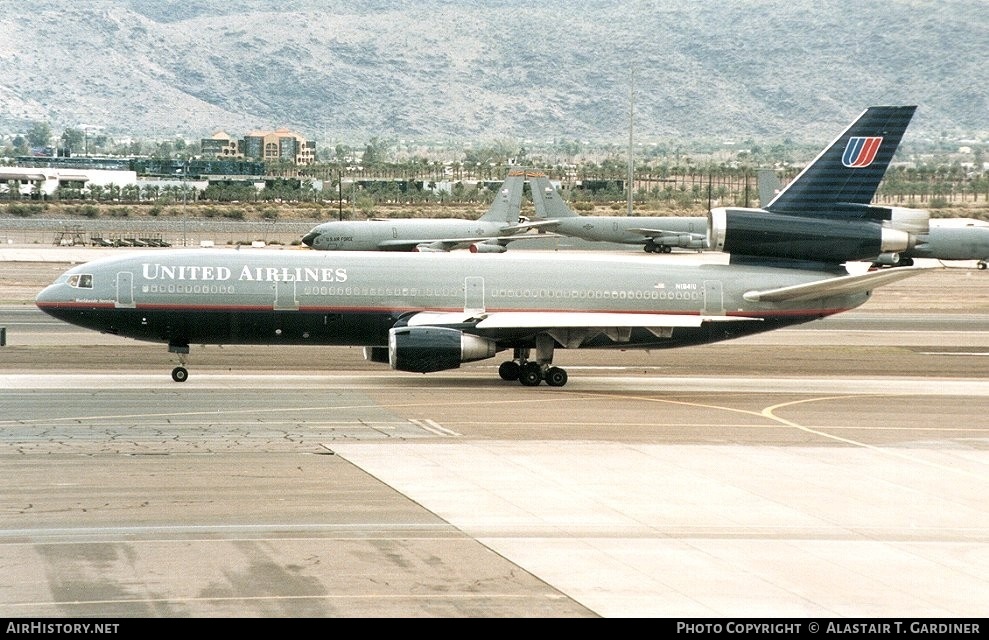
(399, 310)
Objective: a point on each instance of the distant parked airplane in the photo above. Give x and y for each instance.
(488, 234)
(655, 235)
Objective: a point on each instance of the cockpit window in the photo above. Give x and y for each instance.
(81, 281)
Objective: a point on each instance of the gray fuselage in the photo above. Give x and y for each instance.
(625, 229)
(219, 296)
(397, 235)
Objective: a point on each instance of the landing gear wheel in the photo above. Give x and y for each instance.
(180, 374)
(982, 265)
(509, 370)
(531, 374)
(556, 377)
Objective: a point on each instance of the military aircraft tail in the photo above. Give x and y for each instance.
(508, 201)
(769, 186)
(547, 201)
(843, 179)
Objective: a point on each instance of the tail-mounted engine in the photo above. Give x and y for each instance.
(428, 349)
(756, 232)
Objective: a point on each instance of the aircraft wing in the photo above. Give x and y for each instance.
(664, 232)
(572, 329)
(532, 224)
(483, 244)
(840, 286)
(593, 320)
(665, 237)
(433, 244)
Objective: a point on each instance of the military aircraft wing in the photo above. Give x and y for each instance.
(842, 285)
(430, 244)
(477, 244)
(661, 233)
(532, 224)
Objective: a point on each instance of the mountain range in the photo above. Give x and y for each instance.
(455, 71)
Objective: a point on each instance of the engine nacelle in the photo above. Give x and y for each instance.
(888, 259)
(376, 354)
(487, 247)
(913, 221)
(427, 349)
(680, 240)
(756, 232)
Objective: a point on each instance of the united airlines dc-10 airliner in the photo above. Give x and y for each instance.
(433, 311)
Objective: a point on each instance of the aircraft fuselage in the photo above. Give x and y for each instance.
(350, 298)
(399, 234)
(626, 229)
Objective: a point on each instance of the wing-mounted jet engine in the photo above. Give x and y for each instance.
(429, 349)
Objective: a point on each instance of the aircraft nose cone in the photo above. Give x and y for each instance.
(310, 238)
(48, 299)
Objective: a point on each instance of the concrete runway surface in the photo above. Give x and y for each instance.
(837, 470)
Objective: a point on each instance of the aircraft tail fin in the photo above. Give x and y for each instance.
(548, 202)
(845, 176)
(769, 186)
(507, 204)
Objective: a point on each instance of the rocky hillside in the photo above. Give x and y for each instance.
(465, 70)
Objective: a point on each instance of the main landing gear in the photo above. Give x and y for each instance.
(652, 247)
(179, 373)
(531, 372)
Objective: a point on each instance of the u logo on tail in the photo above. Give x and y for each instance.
(861, 151)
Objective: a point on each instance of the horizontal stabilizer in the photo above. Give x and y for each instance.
(840, 286)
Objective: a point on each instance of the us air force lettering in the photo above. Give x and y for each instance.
(434, 311)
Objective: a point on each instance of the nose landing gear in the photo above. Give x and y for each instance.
(179, 373)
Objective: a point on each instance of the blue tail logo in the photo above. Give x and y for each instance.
(861, 151)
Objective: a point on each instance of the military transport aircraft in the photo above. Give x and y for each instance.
(655, 235)
(488, 234)
(952, 239)
(432, 312)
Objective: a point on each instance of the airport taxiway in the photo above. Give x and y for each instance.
(838, 470)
